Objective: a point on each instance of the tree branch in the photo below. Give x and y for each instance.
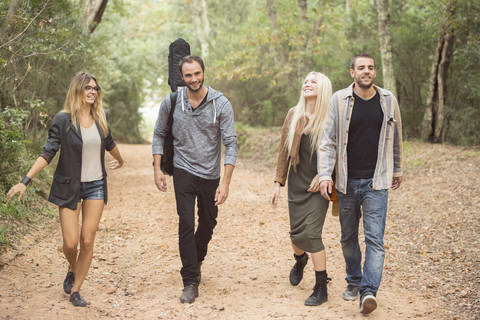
(28, 26)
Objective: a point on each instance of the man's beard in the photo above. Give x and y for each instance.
(363, 86)
(195, 90)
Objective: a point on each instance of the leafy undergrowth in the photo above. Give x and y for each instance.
(432, 227)
(18, 218)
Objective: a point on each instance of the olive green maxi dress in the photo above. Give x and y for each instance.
(307, 210)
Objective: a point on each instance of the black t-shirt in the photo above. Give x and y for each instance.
(363, 134)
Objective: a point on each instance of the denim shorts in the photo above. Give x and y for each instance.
(92, 190)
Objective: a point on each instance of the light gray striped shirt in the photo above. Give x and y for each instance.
(332, 152)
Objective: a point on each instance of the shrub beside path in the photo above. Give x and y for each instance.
(431, 269)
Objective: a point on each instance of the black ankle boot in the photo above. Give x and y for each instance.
(319, 294)
(296, 274)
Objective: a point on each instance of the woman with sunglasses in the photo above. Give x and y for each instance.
(82, 134)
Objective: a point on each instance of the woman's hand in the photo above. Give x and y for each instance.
(115, 164)
(18, 188)
(314, 186)
(275, 195)
(118, 162)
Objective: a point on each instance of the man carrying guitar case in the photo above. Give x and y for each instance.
(176, 51)
(199, 119)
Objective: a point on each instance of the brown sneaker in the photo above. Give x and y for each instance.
(189, 294)
(368, 303)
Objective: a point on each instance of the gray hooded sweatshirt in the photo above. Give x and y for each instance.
(198, 133)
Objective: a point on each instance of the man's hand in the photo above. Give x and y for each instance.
(396, 182)
(160, 180)
(326, 189)
(222, 193)
(158, 176)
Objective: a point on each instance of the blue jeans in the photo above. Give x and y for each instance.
(374, 207)
(92, 190)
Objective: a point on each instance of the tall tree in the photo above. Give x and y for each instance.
(434, 118)
(386, 51)
(94, 12)
(9, 21)
(199, 16)
(282, 46)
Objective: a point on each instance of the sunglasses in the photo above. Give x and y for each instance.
(90, 88)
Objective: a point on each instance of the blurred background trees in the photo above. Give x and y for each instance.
(257, 52)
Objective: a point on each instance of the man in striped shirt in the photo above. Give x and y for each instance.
(362, 141)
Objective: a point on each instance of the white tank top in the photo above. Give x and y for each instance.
(91, 161)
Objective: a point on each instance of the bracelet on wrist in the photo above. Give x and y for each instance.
(26, 180)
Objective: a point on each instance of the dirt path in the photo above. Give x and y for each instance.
(134, 274)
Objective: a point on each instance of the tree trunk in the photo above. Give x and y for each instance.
(348, 11)
(94, 12)
(437, 96)
(383, 17)
(307, 39)
(302, 9)
(202, 26)
(272, 14)
(10, 22)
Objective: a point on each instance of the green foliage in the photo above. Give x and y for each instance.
(463, 88)
(414, 44)
(257, 58)
(41, 47)
(258, 144)
(275, 55)
(13, 210)
(131, 63)
(12, 144)
(15, 159)
(124, 115)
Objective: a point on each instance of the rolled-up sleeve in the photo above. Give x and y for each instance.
(229, 135)
(160, 130)
(50, 148)
(109, 141)
(397, 143)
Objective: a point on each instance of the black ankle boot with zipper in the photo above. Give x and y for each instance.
(320, 294)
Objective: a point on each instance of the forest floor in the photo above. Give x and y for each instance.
(431, 269)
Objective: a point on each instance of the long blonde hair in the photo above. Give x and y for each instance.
(320, 115)
(76, 99)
